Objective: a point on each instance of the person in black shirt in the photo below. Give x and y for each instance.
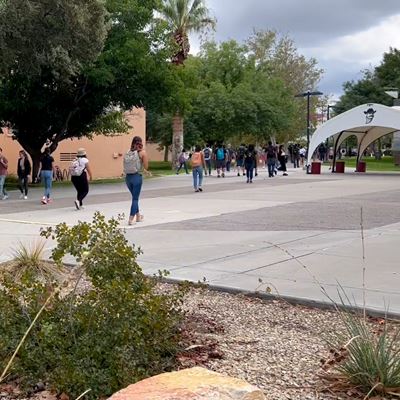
(46, 173)
(250, 159)
(23, 171)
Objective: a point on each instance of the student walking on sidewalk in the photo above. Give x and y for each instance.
(198, 163)
(79, 171)
(23, 171)
(135, 163)
(3, 175)
(282, 160)
(46, 174)
(250, 160)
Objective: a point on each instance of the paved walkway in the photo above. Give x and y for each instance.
(291, 234)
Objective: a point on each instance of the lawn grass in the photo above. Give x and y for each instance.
(386, 164)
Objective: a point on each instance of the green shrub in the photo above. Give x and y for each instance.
(117, 331)
(369, 358)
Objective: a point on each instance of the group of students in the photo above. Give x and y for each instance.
(79, 176)
(135, 163)
(221, 158)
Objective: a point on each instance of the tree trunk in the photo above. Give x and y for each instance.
(166, 153)
(35, 165)
(177, 138)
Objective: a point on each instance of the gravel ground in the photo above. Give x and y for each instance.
(271, 344)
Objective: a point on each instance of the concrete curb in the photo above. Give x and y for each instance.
(322, 305)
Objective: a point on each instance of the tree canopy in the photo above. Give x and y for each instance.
(73, 66)
(232, 90)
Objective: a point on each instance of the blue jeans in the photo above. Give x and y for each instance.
(47, 179)
(180, 167)
(197, 177)
(208, 166)
(271, 166)
(134, 183)
(2, 185)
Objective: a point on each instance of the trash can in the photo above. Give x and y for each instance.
(361, 166)
(316, 167)
(339, 169)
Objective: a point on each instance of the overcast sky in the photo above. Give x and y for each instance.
(345, 36)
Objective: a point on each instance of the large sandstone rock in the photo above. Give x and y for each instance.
(190, 384)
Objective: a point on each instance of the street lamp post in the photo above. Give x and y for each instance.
(308, 94)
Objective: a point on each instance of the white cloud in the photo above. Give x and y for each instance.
(363, 48)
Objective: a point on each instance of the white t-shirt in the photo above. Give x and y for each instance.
(83, 161)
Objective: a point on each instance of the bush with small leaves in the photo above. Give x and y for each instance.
(119, 330)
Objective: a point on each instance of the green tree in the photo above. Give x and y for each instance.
(71, 67)
(183, 17)
(366, 90)
(278, 57)
(235, 98)
(388, 72)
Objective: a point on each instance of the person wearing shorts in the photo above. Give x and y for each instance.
(220, 159)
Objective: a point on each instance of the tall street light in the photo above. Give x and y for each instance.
(328, 113)
(308, 94)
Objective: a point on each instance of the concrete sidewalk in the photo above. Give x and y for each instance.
(298, 236)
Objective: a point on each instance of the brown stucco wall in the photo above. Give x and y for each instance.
(104, 153)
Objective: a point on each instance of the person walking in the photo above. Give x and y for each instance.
(240, 159)
(46, 174)
(135, 163)
(302, 153)
(79, 171)
(282, 160)
(322, 152)
(229, 158)
(207, 151)
(220, 158)
(198, 162)
(23, 171)
(3, 175)
(271, 159)
(250, 160)
(182, 160)
(296, 156)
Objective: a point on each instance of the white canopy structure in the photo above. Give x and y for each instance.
(368, 123)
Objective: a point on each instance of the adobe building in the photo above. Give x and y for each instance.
(104, 153)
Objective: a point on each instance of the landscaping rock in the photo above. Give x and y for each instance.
(190, 384)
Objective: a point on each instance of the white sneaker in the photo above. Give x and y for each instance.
(25, 197)
(76, 202)
(44, 200)
(5, 197)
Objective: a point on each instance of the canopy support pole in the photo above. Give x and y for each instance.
(335, 151)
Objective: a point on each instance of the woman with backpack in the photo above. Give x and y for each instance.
(135, 162)
(183, 157)
(79, 171)
(198, 163)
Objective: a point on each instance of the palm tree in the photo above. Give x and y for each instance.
(183, 17)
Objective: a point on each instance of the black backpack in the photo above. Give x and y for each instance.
(241, 153)
(271, 152)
